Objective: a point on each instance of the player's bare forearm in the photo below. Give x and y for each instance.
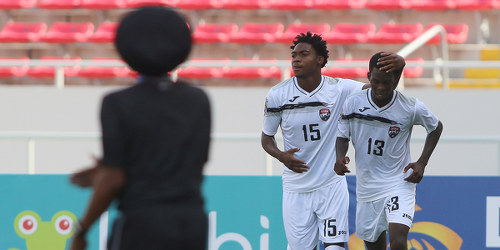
(287, 157)
(431, 141)
(108, 183)
(419, 166)
(341, 147)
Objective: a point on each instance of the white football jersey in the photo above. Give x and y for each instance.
(381, 139)
(308, 121)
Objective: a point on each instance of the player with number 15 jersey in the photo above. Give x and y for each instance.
(308, 121)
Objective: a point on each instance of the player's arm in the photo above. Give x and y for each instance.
(419, 166)
(287, 158)
(341, 147)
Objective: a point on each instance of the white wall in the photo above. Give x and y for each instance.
(235, 110)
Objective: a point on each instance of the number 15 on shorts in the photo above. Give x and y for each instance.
(330, 228)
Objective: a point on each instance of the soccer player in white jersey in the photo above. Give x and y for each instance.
(307, 106)
(379, 121)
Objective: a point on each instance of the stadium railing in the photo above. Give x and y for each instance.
(31, 139)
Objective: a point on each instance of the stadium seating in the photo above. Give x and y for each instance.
(17, 4)
(64, 32)
(346, 72)
(240, 72)
(254, 33)
(49, 71)
(388, 4)
(14, 71)
(199, 4)
(396, 33)
(347, 33)
(105, 72)
(103, 4)
(202, 73)
(58, 4)
(22, 32)
(338, 4)
(105, 33)
(141, 3)
(290, 4)
(412, 72)
(477, 5)
(431, 5)
(213, 33)
(296, 28)
(455, 33)
(245, 4)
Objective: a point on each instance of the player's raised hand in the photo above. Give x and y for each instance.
(391, 61)
(293, 163)
(417, 174)
(340, 166)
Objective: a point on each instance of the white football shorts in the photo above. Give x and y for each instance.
(373, 217)
(318, 215)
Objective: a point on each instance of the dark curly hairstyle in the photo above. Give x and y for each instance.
(316, 42)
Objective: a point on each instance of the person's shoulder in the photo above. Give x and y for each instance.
(282, 85)
(341, 81)
(119, 93)
(408, 100)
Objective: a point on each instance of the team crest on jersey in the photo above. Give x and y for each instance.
(393, 131)
(324, 114)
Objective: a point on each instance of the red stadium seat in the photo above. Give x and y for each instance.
(388, 4)
(14, 71)
(105, 33)
(290, 4)
(106, 72)
(347, 33)
(49, 71)
(242, 72)
(194, 72)
(397, 33)
(245, 4)
(199, 4)
(213, 33)
(346, 72)
(477, 5)
(455, 33)
(338, 4)
(103, 4)
(58, 4)
(63, 32)
(427, 5)
(14, 32)
(296, 28)
(17, 4)
(412, 72)
(141, 3)
(254, 33)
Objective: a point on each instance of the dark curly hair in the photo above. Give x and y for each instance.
(316, 42)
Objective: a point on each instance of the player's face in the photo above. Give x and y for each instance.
(383, 84)
(305, 60)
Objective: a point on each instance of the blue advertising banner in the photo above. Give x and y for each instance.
(38, 212)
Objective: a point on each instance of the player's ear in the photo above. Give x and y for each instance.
(64, 223)
(320, 60)
(26, 223)
(368, 74)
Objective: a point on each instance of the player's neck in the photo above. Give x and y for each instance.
(381, 102)
(309, 83)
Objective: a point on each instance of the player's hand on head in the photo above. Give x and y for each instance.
(391, 61)
(340, 166)
(417, 174)
(293, 163)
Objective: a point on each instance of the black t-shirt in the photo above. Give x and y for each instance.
(159, 133)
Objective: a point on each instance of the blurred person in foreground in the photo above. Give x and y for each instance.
(155, 140)
(379, 120)
(307, 107)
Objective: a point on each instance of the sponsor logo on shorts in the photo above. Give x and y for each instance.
(407, 216)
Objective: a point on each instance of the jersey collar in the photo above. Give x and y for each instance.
(380, 109)
(309, 94)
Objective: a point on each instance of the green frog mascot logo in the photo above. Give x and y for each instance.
(43, 235)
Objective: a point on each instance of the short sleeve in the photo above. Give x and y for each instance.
(423, 116)
(272, 115)
(113, 135)
(344, 128)
(350, 86)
